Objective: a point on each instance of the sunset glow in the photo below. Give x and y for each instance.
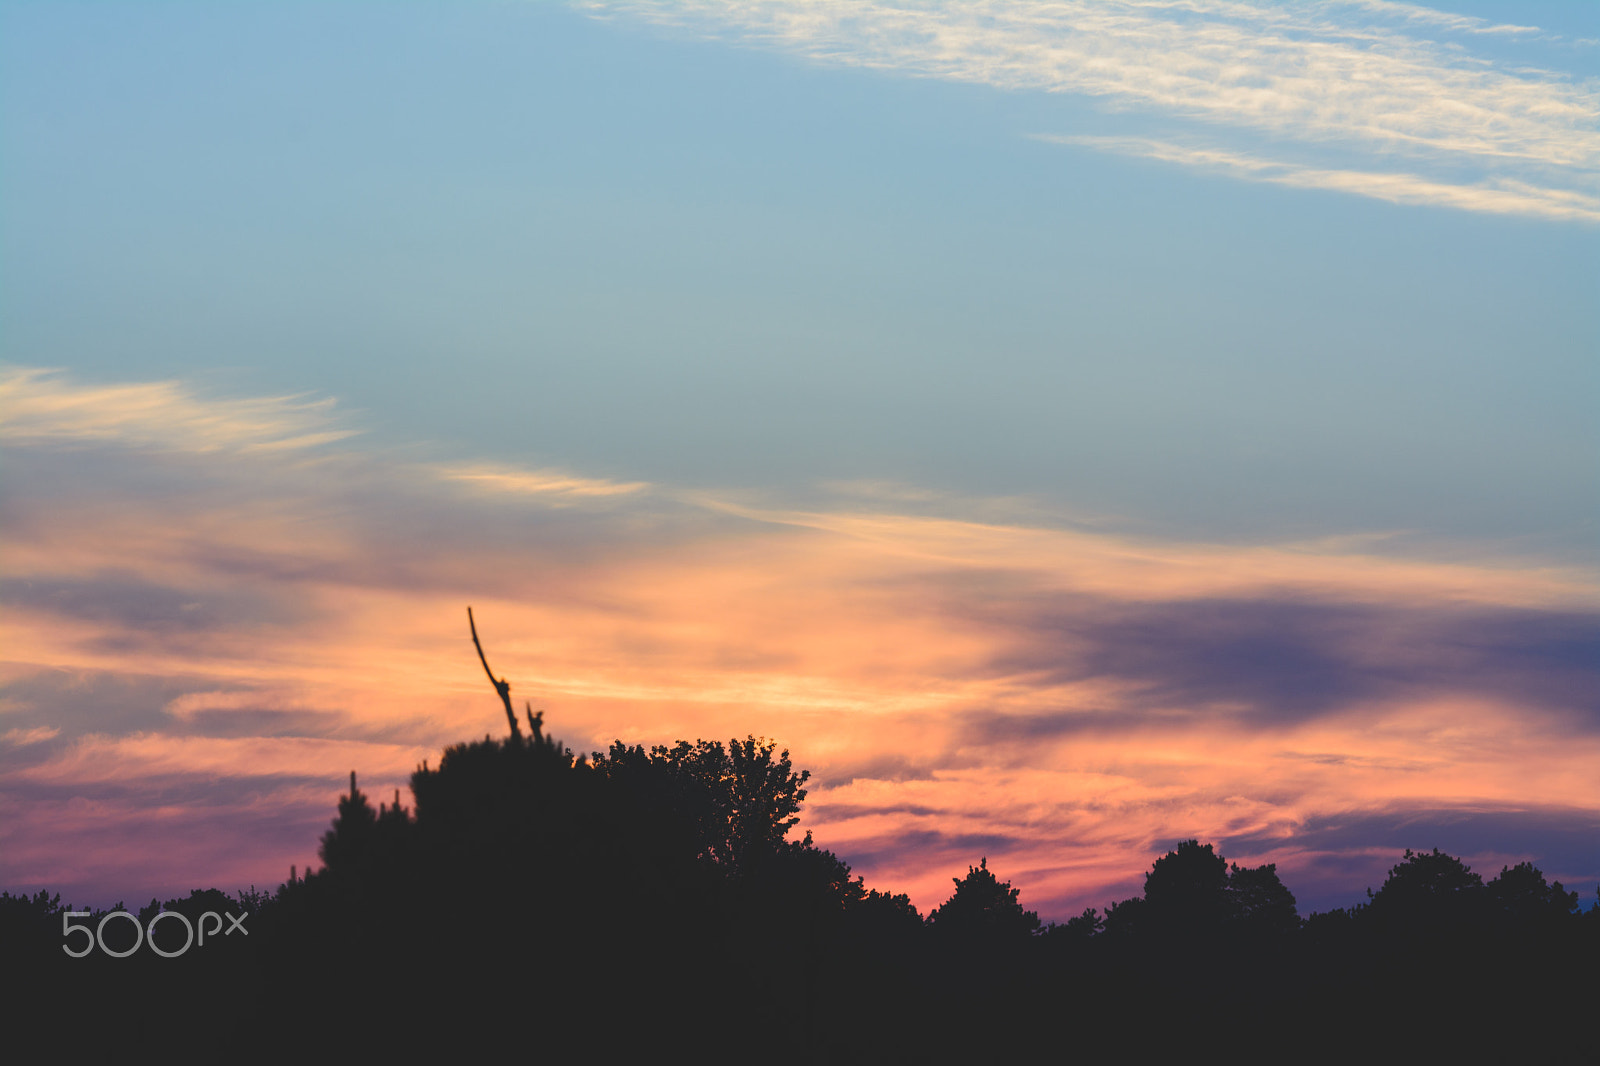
(1068, 429)
(240, 635)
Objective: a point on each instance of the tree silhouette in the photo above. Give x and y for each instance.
(1187, 888)
(1260, 901)
(353, 830)
(1077, 929)
(1427, 891)
(743, 798)
(1192, 891)
(1523, 898)
(983, 908)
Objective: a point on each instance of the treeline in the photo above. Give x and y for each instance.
(652, 902)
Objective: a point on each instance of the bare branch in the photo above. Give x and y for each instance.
(501, 686)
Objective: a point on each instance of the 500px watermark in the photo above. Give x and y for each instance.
(145, 934)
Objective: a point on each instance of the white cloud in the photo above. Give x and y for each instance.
(1444, 19)
(1502, 197)
(1343, 75)
(41, 406)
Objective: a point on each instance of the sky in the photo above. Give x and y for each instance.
(1068, 428)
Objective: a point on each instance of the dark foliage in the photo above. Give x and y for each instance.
(1521, 899)
(1427, 893)
(1192, 892)
(983, 909)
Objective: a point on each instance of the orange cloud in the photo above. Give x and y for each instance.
(1064, 702)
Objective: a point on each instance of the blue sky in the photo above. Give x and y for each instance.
(518, 230)
(1072, 428)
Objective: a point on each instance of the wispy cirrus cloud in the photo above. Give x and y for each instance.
(24, 737)
(38, 405)
(1368, 106)
(547, 482)
(1500, 197)
(202, 643)
(1427, 16)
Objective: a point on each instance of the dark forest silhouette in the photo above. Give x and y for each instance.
(652, 902)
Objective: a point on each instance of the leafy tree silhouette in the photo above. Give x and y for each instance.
(1187, 888)
(1524, 899)
(885, 913)
(1126, 918)
(1192, 891)
(743, 800)
(1260, 902)
(1079, 927)
(1427, 892)
(983, 908)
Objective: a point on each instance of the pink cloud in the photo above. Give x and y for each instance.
(1066, 703)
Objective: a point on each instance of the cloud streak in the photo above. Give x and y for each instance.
(1500, 197)
(38, 405)
(1345, 83)
(542, 482)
